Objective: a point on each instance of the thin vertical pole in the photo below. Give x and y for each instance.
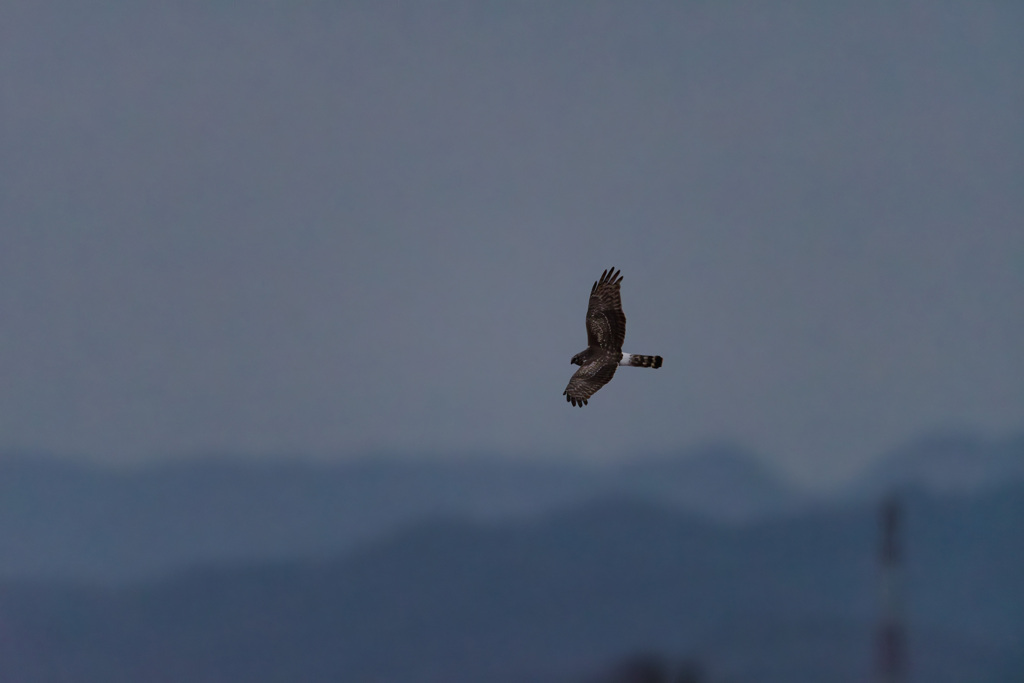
(890, 636)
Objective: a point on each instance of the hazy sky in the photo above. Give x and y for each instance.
(337, 228)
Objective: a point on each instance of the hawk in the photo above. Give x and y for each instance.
(606, 330)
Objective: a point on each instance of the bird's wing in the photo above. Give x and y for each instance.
(588, 379)
(606, 323)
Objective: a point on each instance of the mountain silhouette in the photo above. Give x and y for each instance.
(955, 462)
(65, 520)
(551, 598)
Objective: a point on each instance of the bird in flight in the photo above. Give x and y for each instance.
(606, 330)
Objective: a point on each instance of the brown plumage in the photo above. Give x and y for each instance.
(606, 331)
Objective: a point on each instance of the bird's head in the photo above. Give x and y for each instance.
(576, 360)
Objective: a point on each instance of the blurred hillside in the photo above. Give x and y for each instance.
(72, 521)
(556, 597)
(946, 463)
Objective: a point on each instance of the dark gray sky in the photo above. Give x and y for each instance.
(331, 228)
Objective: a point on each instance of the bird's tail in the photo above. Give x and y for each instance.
(638, 361)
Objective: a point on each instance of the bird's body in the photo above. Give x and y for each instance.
(606, 331)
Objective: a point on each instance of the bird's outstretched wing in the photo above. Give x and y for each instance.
(606, 323)
(588, 379)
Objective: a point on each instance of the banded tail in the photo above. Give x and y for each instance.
(639, 361)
